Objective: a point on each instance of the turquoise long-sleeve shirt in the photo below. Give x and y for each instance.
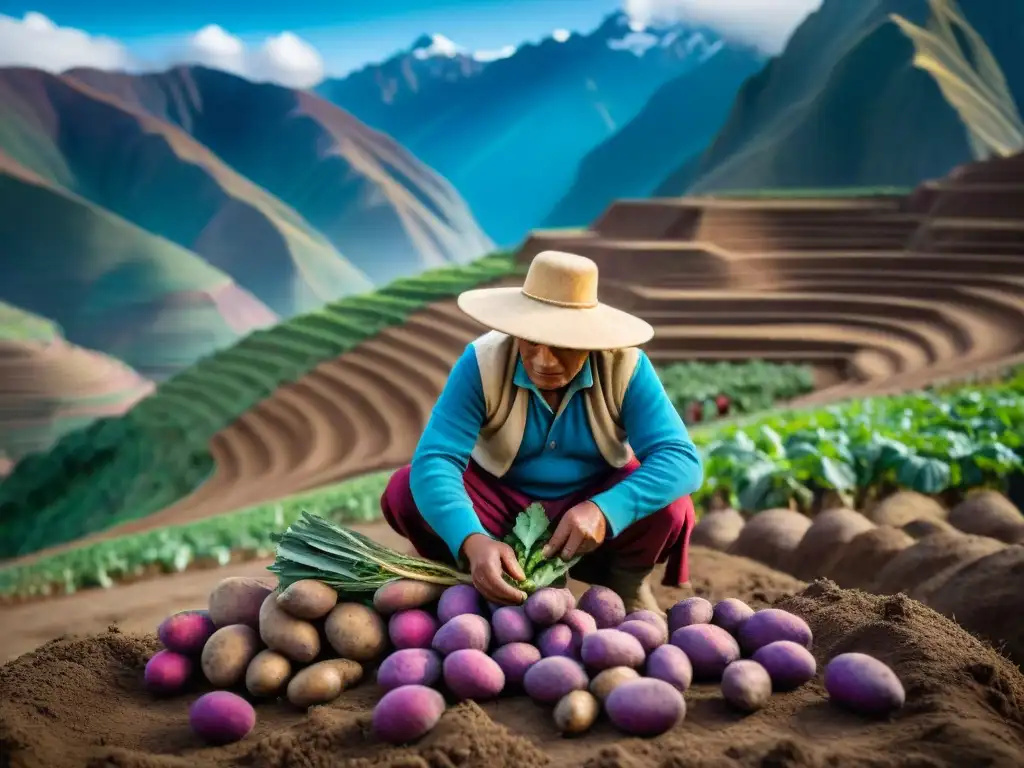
(558, 456)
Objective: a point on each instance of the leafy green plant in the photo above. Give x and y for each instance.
(750, 386)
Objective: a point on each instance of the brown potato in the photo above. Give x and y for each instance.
(356, 632)
(267, 673)
(237, 600)
(607, 681)
(297, 639)
(322, 682)
(308, 599)
(576, 712)
(227, 654)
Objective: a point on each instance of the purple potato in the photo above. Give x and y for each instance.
(789, 664)
(609, 648)
(409, 666)
(559, 640)
(649, 635)
(407, 713)
(604, 605)
(650, 617)
(514, 659)
(472, 674)
(746, 685)
(692, 610)
(570, 599)
(645, 707)
(168, 672)
(510, 624)
(186, 632)
(671, 664)
(492, 607)
(550, 679)
(863, 684)
(468, 630)
(414, 628)
(458, 600)
(221, 717)
(546, 606)
(581, 624)
(710, 649)
(730, 614)
(771, 624)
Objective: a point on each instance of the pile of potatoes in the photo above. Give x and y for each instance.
(426, 641)
(299, 643)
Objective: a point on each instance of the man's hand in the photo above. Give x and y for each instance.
(489, 560)
(580, 531)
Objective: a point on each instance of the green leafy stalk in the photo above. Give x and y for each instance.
(531, 532)
(315, 548)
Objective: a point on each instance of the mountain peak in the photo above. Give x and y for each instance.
(428, 46)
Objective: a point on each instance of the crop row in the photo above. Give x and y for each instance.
(127, 467)
(704, 391)
(246, 534)
(937, 444)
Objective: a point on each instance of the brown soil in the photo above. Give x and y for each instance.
(987, 513)
(79, 702)
(718, 529)
(771, 537)
(827, 536)
(927, 558)
(904, 507)
(859, 562)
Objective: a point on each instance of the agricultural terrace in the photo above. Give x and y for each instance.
(856, 454)
(127, 467)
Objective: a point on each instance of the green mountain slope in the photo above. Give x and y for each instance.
(843, 105)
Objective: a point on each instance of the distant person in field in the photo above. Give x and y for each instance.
(557, 405)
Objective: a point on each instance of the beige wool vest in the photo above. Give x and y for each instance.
(506, 405)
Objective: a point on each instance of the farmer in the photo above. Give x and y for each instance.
(540, 409)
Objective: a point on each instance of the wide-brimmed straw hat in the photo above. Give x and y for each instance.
(557, 305)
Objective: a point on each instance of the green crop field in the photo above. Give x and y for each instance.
(937, 443)
(125, 468)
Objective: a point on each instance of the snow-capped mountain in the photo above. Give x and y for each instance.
(509, 127)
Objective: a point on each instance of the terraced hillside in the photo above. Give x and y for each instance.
(50, 387)
(881, 294)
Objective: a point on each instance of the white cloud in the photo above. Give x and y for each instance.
(561, 35)
(766, 24)
(285, 59)
(500, 53)
(35, 41)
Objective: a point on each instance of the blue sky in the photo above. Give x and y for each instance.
(347, 33)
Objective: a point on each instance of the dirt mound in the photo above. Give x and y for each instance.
(718, 529)
(771, 537)
(828, 534)
(859, 561)
(80, 702)
(929, 557)
(987, 513)
(926, 526)
(904, 507)
(716, 576)
(986, 595)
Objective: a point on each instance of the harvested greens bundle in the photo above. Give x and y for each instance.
(315, 548)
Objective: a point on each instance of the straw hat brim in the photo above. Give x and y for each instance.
(509, 311)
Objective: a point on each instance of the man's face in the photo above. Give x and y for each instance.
(550, 367)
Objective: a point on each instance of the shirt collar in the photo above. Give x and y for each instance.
(583, 380)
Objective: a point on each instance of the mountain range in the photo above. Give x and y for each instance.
(509, 134)
(156, 218)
